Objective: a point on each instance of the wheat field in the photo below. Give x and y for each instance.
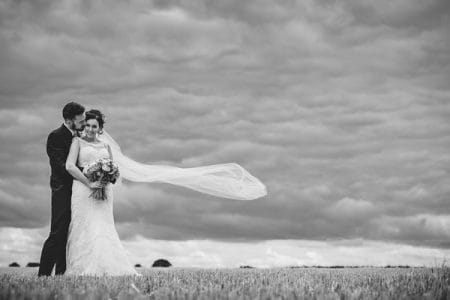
(275, 283)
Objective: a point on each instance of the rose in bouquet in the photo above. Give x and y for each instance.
(104, 170)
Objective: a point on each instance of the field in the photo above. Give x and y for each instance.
(277, 283)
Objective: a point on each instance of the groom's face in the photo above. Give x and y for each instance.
(78, 122)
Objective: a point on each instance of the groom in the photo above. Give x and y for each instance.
(58, 146)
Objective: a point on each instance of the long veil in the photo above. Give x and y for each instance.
(228, 180)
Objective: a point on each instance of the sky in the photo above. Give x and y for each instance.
(341, 108)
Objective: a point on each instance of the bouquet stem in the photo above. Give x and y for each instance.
(99, 194)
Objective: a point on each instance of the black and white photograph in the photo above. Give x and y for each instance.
(223, 149)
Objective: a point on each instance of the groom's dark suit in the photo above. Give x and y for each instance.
(54, 250)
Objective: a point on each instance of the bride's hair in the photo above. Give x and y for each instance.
(97, 115)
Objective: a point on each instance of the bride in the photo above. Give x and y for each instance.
(93, 245)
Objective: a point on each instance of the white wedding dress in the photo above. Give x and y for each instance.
(93, 245)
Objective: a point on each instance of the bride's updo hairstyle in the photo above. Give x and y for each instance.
(97, 115)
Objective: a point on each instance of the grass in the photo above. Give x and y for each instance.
(276, 283)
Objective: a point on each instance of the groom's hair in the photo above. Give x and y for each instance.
(71, 110)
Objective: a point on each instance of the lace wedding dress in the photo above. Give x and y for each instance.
(93, 245)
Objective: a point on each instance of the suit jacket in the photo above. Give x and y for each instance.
(58, 146)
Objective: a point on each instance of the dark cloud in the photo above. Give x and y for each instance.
(401, 14)
(340, 108)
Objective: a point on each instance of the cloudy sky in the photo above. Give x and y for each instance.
(342, 108)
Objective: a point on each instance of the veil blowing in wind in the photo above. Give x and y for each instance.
(228, 180)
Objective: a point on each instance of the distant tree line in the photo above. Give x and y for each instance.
(342, 267)
(161, 262)
(164, 263)
(30, 265)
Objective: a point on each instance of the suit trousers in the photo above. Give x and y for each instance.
(54, 249)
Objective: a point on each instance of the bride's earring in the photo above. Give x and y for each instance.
(100, 131)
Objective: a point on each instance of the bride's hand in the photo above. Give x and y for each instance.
(95, 185)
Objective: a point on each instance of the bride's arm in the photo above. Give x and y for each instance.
(109, 151)
(72, 168)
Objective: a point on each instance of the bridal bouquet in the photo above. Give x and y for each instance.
(103, 170)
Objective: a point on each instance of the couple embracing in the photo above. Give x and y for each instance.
(83, 239)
